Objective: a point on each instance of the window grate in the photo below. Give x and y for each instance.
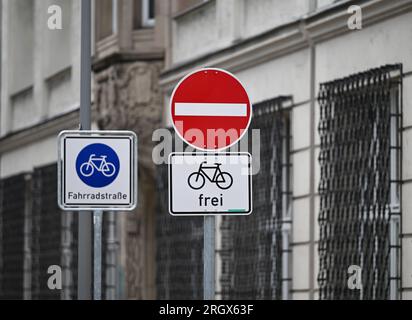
(34, 234)
(252, 248)
(12, 211)
(52, 238)
(179, 249)
(356, 207)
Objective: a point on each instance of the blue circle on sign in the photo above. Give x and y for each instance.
(97, 165)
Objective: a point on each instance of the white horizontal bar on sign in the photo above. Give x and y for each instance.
(211, 109)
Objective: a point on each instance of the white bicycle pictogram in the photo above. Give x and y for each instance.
(100, 164)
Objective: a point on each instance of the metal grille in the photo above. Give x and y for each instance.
(69, 252)
(179, 249)
(46, 232)
(12, 211)
(252, 246)
(35, 235)
(110, 248)
(356, 115)
(53, 237)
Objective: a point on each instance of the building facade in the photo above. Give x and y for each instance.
(39, 98)
(344, 96)
(329, 137)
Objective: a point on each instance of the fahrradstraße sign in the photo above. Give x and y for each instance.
(97, 170)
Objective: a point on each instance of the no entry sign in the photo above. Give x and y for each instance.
(210, 109)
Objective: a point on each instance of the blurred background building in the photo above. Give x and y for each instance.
(332, 107)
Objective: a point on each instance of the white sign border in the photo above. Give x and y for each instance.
(202, 213)
(134, 170)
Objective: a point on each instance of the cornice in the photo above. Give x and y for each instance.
(39, 131)
(294, 36)
(99, 65)
(192, 9)
(375, 11)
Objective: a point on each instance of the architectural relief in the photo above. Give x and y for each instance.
(128, 98)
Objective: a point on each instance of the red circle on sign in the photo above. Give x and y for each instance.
(210, 109)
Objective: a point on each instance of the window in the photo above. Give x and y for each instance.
(34, 235)
(179, 248)
(57, 55)
(12, 213)
(255, 252)
(148, 13)
(359, 186)
(106, 18)
(144, 13)
(21, 26)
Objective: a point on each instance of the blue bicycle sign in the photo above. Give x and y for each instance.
(97, 165)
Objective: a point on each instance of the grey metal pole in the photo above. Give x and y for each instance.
(209, 258)
(86, 66)
(84, 281)
(97, 278)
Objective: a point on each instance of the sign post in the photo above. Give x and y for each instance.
(211, 111)
(209, 264)
(210, 184)
(84, 281)
(97, 171)
(97, 250)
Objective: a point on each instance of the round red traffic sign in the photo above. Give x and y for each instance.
(210, 109)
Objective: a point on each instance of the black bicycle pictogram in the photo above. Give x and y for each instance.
(197, 180)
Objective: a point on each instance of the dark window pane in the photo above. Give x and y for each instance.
(151, 8)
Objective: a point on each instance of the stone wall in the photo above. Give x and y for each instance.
(128, 98)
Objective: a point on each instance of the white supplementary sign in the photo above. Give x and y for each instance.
(210, 184)
(97, 170)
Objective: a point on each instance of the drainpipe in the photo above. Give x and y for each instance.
(286, 217)
(27, 262)
(312, 57)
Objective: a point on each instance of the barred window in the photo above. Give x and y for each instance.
(360, 117)
(12, 229)
(34, 235)
(106, 18)
(53, 238)
(255, 254)
(179, 248)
